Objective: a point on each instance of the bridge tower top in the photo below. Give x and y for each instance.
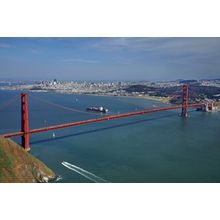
(185, 100)
(25, 122)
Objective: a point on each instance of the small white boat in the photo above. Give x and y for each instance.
(54, 135)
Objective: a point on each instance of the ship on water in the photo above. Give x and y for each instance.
(97, 109)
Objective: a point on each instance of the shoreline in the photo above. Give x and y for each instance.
(165, 100)
(160, 99)
(155, 98)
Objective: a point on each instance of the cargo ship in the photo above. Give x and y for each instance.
(97, 109)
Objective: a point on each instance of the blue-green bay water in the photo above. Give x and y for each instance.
(158, 147)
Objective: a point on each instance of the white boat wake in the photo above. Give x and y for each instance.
(84, 173)
(59, 178)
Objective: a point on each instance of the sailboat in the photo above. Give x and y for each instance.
(54, 135)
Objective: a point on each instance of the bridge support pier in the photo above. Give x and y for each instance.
(185, 99)
(25, 138)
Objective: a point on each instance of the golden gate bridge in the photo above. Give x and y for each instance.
(26, 132)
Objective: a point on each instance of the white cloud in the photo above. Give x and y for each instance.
(170, 46)
(78, 60)
(172, 50)
(3, 45)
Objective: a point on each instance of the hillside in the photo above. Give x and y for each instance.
(18, 166)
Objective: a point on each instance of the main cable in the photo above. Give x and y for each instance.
(8, 102)
(62, 107)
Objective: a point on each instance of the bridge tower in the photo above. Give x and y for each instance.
(185, 99)
(25, 122)
(209, 106)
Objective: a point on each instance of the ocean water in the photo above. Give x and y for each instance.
(158, 147)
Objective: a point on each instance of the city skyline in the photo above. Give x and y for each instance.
(109, 58)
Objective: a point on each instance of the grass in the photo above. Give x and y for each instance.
(16, 165)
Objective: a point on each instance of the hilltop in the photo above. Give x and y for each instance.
(19, 166)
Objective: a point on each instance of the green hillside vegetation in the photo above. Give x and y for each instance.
(19, 166)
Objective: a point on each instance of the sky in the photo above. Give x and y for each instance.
(121, 59)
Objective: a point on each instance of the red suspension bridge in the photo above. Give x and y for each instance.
(26, 132)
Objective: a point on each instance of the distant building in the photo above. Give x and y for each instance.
(55, 82)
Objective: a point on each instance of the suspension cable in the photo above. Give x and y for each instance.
(137, 106)
(62, 107)
(8, 102)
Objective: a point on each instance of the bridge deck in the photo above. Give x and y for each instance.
(96, 120)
